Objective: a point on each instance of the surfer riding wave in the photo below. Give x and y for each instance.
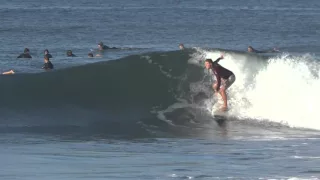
(225, 78)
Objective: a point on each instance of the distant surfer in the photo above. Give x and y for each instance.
(252, 50)
(181, 46)
(8, 72)
(46, 52)
(70, 54)
(225, 78)
(102, 47)
(91, 55)
(25, 54)
(47, 64)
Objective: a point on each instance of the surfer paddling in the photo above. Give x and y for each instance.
(252, 50)
(225, 78)
(102, 47)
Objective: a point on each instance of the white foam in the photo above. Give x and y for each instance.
(296, 178)
(305, 157)
(286, 90)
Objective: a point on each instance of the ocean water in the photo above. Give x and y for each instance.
(146, 110)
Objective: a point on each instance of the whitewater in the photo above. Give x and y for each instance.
(281, 88)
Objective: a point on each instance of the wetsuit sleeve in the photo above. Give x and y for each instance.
(218, 81)
(217, 73)
(216, 61)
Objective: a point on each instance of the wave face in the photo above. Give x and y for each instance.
(159, 93)
(112, 97)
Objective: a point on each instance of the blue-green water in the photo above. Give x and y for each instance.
(142, 115)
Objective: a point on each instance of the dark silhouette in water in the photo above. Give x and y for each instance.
(70, 54)
(25, 54)
(47, 64)
(102, 47)
(46, 52)
(251, 49)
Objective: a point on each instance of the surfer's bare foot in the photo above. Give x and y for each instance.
(224, 108)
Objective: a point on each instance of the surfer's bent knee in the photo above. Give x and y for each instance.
(214, 86)
(227, 82)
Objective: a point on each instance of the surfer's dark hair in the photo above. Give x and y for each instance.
(209, 61)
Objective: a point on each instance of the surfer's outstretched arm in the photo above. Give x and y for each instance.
(217, 60)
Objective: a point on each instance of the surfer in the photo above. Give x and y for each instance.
(8, 72)
(225, 78)
(102, 47)
(70, 54)
(181, 46)
(251, 49)
(46, 52)
(25, 54)
(47, 64)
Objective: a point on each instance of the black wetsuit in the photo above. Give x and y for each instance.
(107, 47)
(220, 72)
(269, 51)
(24, 55)
(49, 55)
(48, 65)
(71, 55)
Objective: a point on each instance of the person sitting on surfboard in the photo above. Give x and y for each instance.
(225, 78)
(25, 54)
(46, 52)
(47, 63)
